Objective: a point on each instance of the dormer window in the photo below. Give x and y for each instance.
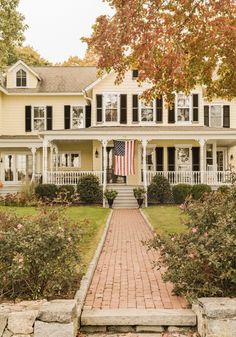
(21, 78)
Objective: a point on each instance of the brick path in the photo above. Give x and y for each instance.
(124, 277)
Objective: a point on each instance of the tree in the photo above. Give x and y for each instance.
(28, 55)
(12, 28)
(175, 44)
(90, 59)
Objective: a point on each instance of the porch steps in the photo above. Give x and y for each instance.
(125, 198)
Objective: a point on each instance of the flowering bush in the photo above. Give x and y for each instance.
(201, 261)
(39, 255)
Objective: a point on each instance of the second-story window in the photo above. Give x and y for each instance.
(39, 118)
(146, 111)
(216, 114)
(111, 107)
(21, 78)
(77, 117)
(183, 108)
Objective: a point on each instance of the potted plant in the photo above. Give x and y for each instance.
(139, 194)
(110, 195)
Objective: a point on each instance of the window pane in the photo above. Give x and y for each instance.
(183, 114)
(183, 159)
(24, 166)
(64, 162)
(77, 117)
(216, 114)
(39, 112)
(75, 160)
(111, 107)
(183, 101)
(8, 161)
(39, 118)
(147, 115)
(39, 124)
(111, 115)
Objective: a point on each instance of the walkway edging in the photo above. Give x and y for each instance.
(147, 221)
(87, 278)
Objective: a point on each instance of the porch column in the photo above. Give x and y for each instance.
(104, 147)
(214, 148)
(144, 146)
(33, 151)
(202, 143)
(52, 147)
(45, 161)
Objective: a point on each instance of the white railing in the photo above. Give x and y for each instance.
(216, 178)
(69, 177)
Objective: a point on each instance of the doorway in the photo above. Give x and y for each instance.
(111, 177)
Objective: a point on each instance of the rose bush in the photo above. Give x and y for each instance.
(201, 262)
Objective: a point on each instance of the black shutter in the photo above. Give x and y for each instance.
(206, 115)
(171, 114)
(159, 110)
(195, 107)
(49, 117)
(226, 116)
(67, 116)
(135, 108)
(171, 158)
(196, 158)
(28, 119)
(99, 108)
(88, 116)
(159, 158)
(135, 74)
(123, 109)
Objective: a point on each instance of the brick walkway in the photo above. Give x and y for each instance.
(124, 277)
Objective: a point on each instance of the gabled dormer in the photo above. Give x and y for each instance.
(21, 76)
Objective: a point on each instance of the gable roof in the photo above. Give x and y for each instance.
(24, 65)
(58, 79)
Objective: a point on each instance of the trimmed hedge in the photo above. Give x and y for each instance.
(181, 192)
(66, 192)
(89, 189)
(159, 190)
(46, 191)
(224, 189)
(199, 190)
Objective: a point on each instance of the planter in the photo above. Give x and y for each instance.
(140, 202)
(110, 202)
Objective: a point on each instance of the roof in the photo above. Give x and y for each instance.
(58, 79)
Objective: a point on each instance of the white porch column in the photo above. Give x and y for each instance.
(45, 161)
(52, 147)
(202, 143)
(144, 146)
(104, 147)
(33, 151)
(56, 154)
(215, 155)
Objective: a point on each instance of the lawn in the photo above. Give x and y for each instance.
(96, 217)
(166, 219)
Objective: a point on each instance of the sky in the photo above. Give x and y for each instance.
(56, 26)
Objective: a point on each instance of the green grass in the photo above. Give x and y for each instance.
(96, 217)
(166, 219)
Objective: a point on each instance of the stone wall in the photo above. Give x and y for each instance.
(58, 318)
(216, 316)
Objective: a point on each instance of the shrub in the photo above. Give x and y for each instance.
(46, 191)
(66, 193)
(89, 189)
(139, 193)
(223, 189)
(39, 255)
(110, 194)
(159, 190)
(199, 190)
(201, 262)
(180, 192)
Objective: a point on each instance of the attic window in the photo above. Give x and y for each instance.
(21, 78)
(135, 74)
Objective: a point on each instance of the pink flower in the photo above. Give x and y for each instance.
(19, 226)
(182, 206)
(173, 239)
(206, 235)
(191, 255)
(69, 239)
(194, 230)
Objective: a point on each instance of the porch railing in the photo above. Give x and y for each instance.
(215, 178)
(69, 177)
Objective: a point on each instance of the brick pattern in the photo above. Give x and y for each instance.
(125, 277)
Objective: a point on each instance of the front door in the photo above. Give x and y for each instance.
(111, 177)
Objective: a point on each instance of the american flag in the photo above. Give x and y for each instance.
(124, 157)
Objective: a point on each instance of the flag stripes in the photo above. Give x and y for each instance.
(124, 157)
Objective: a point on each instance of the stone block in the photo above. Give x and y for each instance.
(3, 322)
(221, 327)
(58, 311)
(93, 329)
(43, 329)
(149, 328)
(218, 307)
(7, 333)
(178, 328)
(121, 328)
(22, 322)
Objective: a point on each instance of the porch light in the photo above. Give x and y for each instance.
(1, 161)
(232, 157)
(96, 154)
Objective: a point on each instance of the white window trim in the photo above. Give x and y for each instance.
(70, 153)
(190, 110)
(21, 86)
(71, 117)
(45, 117)
(145, 123)
(104, 108)
(14, 168)
(222, 114)
(186, 146)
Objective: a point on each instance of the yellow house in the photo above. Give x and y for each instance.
(58, 123)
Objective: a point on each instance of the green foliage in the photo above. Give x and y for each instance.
(46, 192)
(28, 55)
(223, 189)
(201, 261)
(26, 196)
(39, 255)
(110, 194)
(180, 192)
(159, 190)
(66, 193)
(139, 193)
(89, 189)
(199, 190)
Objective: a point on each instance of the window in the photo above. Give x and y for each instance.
(77, 117)
(146, 111)
(135, 74)
(183, 108)
(39, 118)
(17, 167)
(111, 107)
(183, 158)
(21, 78)
(69, 160)
(216, 116)
(209, 157)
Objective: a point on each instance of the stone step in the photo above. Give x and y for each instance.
(138, 317)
